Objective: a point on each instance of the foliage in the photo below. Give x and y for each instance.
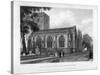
(87, 41)
(84, 41)
(27, 22)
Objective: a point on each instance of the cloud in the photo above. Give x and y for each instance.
(87, 26)
(87, 21)
(61, 18)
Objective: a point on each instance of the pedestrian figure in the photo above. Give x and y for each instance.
(59, 54)
(63, 53)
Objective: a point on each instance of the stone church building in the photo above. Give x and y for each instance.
(59, 39)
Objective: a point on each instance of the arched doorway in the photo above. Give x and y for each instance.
(49, 42)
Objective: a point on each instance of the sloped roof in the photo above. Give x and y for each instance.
(54, 30)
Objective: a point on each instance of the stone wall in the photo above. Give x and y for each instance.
(68, 34)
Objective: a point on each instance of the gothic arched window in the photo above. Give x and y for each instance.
(49, 42)
(61, 41)
(39, 42)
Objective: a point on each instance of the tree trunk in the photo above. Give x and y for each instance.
(24, 44)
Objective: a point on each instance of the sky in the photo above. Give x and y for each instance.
(67, 17)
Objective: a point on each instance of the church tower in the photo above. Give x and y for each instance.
(42, 20)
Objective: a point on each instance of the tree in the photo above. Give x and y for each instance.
(23, 32)
(27, 22)
(88, 43)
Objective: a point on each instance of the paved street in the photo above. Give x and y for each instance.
(67, 58)
(70, 58)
